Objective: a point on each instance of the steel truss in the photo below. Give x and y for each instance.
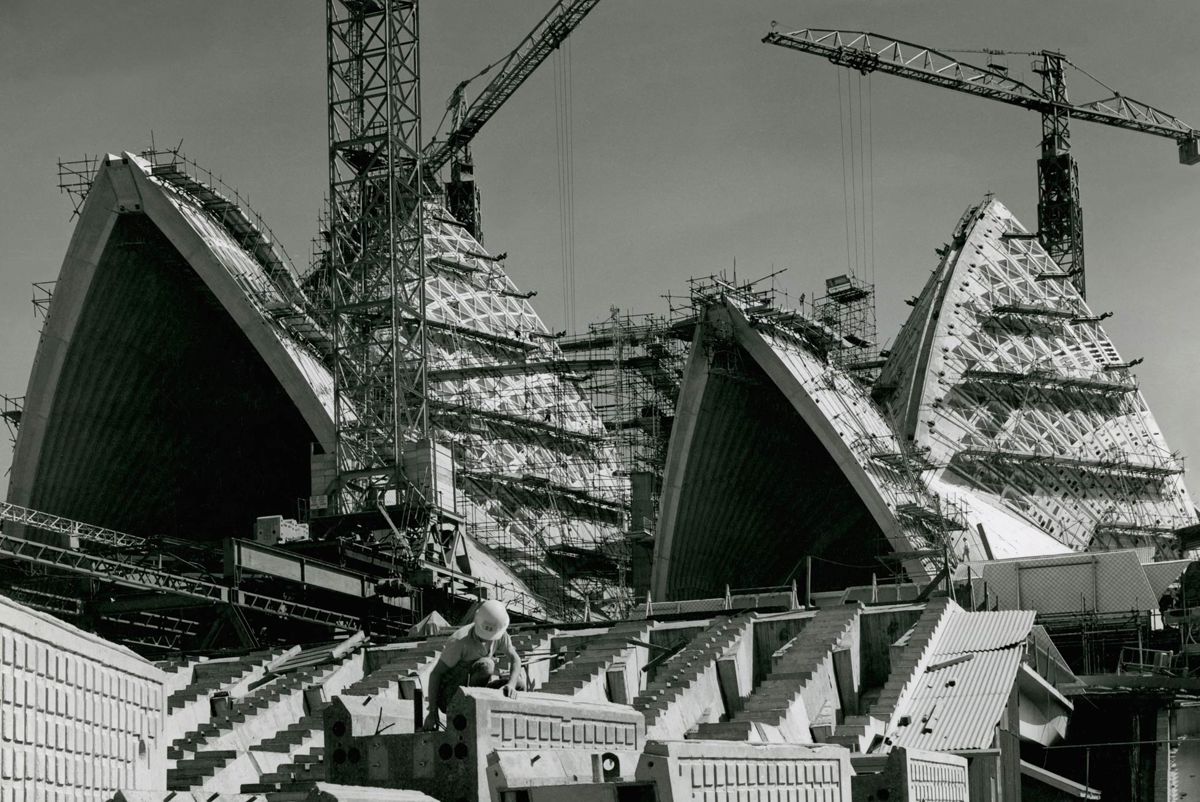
(140, 577)
(376, 251)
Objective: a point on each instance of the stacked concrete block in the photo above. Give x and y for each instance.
(292, 760)
(216, 756)
(698, 771)
(80, 718)
(534, 647)
(802, 690)
(211, 676)
(686, 690)
(385, 667)
(190, 705)
(608, 667)
(178, 672)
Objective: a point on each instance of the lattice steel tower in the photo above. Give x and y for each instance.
(1060, 216)
(377, 262)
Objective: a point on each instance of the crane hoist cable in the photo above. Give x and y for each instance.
(565, 147)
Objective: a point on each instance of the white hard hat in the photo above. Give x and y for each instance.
(491, 620)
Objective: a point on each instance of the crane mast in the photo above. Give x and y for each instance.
(1060, 220)
(379, 178)
(547, 35)
(1060, 214)
(377, 265)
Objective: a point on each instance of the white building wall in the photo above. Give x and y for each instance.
(80, 717)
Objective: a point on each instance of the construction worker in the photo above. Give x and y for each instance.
(469, 659)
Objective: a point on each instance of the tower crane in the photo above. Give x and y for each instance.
(375, 271)
(547, 35)
(1060, 221)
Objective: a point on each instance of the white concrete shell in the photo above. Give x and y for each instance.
(150, 295)
(1005, 379)
(777, 455)
(182, 383)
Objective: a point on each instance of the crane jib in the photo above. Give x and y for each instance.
(869, 53)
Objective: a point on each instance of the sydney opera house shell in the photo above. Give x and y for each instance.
(182, 387)
(1003, 424)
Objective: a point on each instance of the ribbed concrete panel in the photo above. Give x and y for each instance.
(1004, 377)
(81, 717)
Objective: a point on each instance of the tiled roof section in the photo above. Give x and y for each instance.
(975, 632)
(1008, 379)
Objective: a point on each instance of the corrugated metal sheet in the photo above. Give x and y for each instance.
(957, 701)
(959, 705)
(973, 632)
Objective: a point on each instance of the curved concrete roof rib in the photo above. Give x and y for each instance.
(770, 460)
(777, 454)
(149, 278)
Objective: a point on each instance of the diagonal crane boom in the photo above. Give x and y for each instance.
(550, 32)
(1060, 222)
(547, 35)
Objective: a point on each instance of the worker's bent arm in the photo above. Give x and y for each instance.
(435, 683)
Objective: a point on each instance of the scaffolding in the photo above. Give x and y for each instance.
(43, 293)
(848, 308)
(75, 179)
(1030, 401)
(11, 408)
(630, 367)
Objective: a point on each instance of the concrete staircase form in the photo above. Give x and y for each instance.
(295, 767)
(585, 677)
(799, 687)
(674, 702)
(211, 676)
(909, 659)
(222, 746)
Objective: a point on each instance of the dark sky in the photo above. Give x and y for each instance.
(693, 145)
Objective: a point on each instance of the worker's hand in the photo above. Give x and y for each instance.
(433, 722)
(510, 690)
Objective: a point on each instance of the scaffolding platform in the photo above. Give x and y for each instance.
(1109, 383)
